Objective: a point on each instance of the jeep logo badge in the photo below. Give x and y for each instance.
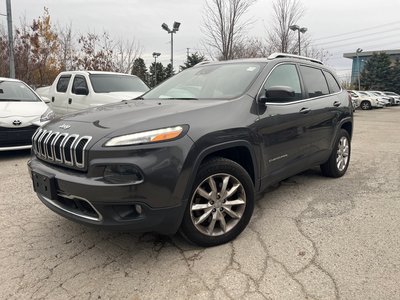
(65, 126)
(17, 122)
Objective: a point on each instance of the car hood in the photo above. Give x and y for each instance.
(137, 115)
(21, 109)
(21, 114)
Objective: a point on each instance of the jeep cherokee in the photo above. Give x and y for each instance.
(191, 154)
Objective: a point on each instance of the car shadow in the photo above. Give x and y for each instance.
(15, 154)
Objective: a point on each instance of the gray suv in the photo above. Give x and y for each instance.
(191, 154)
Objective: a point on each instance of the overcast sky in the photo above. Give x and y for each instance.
(370, 25)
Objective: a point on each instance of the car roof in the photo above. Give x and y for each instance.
(94, 72)
(284, 57)
(9, 79)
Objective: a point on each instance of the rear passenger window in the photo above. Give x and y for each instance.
(334, 87)
(314, 81)
(285, 75)
(62, 84)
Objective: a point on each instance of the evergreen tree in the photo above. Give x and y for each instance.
(139, 69)
(377, 73)
(395, 77)
(160, 74)
(169, 71)
(193, 60)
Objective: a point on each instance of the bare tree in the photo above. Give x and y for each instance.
(285, 13)
(67, 47)
(125, 54)
(251, 48)
(223, 25)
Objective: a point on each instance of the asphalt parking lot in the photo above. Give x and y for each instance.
(310, 238)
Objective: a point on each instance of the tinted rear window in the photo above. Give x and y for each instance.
(62, 84)
(107, 83)
(315, 81)
(334, 87)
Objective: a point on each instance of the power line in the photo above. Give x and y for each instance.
(356, 31)
(365, 42)
(356, 37)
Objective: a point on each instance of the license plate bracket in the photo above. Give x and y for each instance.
(44, 185)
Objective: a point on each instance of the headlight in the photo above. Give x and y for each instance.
(48, 115)
(152, 136)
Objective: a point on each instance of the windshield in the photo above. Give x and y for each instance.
(108, 83)
(221, 81)
(16, 91)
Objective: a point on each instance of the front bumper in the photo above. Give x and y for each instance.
(154, 204)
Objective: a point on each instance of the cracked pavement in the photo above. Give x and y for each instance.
(310, 238)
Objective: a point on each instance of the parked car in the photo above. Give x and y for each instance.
(395, 96)
(77, 90)
(368, 101)
(383, 96)
(193, 152)
(21, 113)
(354, 97)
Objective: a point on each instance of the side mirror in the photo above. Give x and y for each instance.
(81, 91)
(278, 94)
(45, 100)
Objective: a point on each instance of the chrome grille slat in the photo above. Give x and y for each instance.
(60, 148)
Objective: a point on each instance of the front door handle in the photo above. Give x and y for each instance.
(337, 103)
(305, 110)
(69, 100)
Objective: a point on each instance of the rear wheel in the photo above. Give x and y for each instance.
(339, 160)
(365, 105)
(221, 203)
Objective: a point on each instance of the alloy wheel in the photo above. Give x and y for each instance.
(218, 204)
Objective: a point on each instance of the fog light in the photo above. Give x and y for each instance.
(138, 209)
(122, 174)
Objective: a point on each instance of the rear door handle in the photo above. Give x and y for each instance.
(305, 110)
(69, 100)
(337, 103)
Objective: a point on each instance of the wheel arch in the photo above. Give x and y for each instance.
(240, 152)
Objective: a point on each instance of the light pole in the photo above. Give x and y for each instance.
(10, 39)
(299, 30)
(358, 51)
(155, 55)
(174, 30)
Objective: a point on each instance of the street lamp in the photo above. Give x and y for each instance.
(10, 38)
(175, 28)
(299, 30)
(358, 51)
(155, 55)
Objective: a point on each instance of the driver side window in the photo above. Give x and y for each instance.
(79, 82)
(285, 75)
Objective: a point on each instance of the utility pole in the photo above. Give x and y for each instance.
(10, 39)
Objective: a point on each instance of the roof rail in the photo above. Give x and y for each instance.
(202, 63)
(283, 55)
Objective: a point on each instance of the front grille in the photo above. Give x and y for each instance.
(62, 148)
(13, 137)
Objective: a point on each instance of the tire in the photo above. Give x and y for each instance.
(365, 105)
(338, 162)
(220, 205)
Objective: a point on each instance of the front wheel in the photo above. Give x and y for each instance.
(221, 203)
(339, 160)
(365, 105)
